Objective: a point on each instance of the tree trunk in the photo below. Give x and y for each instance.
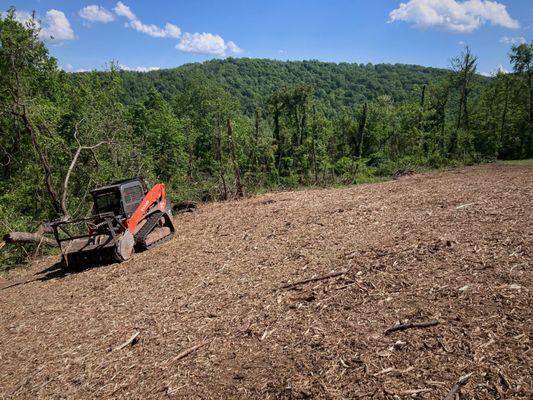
(465, 110)
(504, 113)
(43, 161)
(256, 141)
(190, 149)
(423, 97)
(219, 158)
(315, 167)
(278, 138)
(362, 126)
(238, 186)
(530, 97)
(27, 237)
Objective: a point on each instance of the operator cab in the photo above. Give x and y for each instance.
(120, 198)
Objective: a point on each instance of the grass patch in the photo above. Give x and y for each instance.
(526, 162)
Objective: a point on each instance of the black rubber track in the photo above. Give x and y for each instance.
(151, 223)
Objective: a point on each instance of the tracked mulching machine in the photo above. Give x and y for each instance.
(127, 217)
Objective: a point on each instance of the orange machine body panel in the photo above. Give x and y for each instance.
(156, 195)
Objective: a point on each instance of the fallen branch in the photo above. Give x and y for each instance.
(132, 340)
(314, 279)
(403, 327)
(410, 392)
(460, 383)
(464, 205)
(188, 351)
(27, 237)
(394, 370)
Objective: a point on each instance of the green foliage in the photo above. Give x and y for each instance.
(201, 128)
(253, 81)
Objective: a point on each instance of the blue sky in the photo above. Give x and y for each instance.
(164, 34)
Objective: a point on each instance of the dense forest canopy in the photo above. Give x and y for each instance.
(225, 127)
(252, 81)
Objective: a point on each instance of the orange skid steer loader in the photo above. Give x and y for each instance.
(126, 217)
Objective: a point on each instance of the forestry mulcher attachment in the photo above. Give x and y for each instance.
(126, 217)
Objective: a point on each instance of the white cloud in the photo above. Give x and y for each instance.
(124, 11)
(70, 69)
(56, 27)
(499, 69)
(137, 69)
(206, 43)
(94, 13)
(512, 40)
(452, 15)
(203, 43)
(233, 48)
(168, 31)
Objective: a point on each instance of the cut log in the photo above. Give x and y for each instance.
(27, 237)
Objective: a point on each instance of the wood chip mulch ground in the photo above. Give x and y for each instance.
(415, 288)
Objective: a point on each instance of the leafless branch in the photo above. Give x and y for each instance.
(403, 327)
(80, 148)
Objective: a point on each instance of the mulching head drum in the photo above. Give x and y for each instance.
(97, 250)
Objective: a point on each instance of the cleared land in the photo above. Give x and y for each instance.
(220, 312)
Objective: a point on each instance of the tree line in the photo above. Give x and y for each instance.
(210, 135)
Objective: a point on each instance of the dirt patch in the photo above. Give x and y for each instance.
(290, 295)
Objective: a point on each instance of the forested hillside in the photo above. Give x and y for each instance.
(252, 81)
(224, 128)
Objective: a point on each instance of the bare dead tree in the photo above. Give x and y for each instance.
(220, 159)
(80, 148)
(18, 109)
(313, 148)
(464, 68)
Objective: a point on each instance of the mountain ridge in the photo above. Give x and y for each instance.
(252, 81)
